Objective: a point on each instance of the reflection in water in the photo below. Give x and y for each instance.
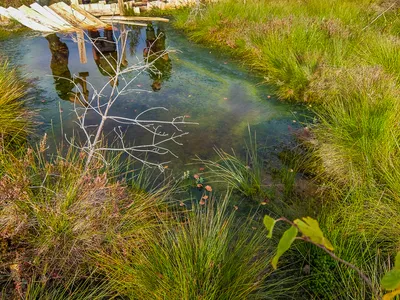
(206, 89)
(155, 53)
(63, 81)
(59, 67)
(105, 52)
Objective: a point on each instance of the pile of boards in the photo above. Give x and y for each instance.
(138, 6)
(60, 17)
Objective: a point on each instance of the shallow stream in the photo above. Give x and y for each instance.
(196, 82)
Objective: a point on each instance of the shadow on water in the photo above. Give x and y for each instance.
(204, 87)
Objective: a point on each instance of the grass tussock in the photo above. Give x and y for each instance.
(340, 58)
(207, 254)
(67, 232)
(244, 177)
(14, 117)
(53, 216)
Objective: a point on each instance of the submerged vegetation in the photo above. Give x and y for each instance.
(76, 228)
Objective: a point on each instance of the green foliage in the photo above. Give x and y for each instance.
(284, 244)
(55, 216)
(340, 58)
(391, 280)
(307, 226)
(243, 176)
(15, 120)
(269, 224)
(310, 229)
(209, 254)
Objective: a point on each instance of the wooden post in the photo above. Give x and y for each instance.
(81, 46)
(124, 39)
(121, 7)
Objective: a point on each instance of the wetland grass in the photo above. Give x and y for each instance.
(54, 216)
(341, 59)
(67, 232)
(14, 117)
(208, 254)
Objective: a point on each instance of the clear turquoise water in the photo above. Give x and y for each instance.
(199, 83)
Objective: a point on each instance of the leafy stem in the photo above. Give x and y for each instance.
(311, 233)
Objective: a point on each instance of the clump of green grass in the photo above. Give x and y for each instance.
(364, 233)
(243, 176)
(287, 41)
(14, 118)
(340, 58)
(208, 254)
(357, 133)
(54, 215)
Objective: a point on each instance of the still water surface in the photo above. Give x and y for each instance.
(196, 82)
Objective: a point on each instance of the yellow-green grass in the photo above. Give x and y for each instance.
(209, 253)
(341, 58)
(14, 118)
(54, 215)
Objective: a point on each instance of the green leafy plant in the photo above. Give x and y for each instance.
(391, 280)
(311, 233)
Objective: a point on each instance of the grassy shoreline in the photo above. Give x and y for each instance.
(340, 58)
(68, 232)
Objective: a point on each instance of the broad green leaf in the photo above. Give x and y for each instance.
(310, 228)
(391, 280)
(284, 244)
(391, 295)
(397, 262)
(269, 223)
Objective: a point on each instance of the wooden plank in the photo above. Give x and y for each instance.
(126, 22)
(143, 19)
(5, 13)
(101, 9)
(24, 20)
(81, 46)
(77, 15)
(70, 18)
(121, 7)
(92, 18)
(74, 2)
(156, 4)
(49, 13)
(39, 18)
(43, 12)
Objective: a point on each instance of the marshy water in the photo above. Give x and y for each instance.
(196, 82)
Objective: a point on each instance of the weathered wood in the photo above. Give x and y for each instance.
(50, 15)
(125, 22)
(29, 12)
(92, 18)
(121, 7)
(143, 19)
(77, 15)
(4, 13)
(156, 4)
(24, 20)
(75, 2)
(72, 18)
(101, 9)
(52, 12)
(81, 46)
